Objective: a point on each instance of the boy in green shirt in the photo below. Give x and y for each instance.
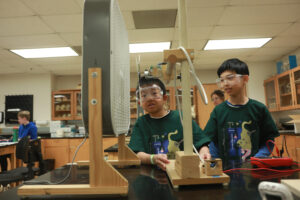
(239, 127)
(159, 132)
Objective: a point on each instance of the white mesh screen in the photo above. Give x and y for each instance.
(119, 72)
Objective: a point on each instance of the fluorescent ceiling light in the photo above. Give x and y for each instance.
(236, 43)
(149, 47)
(45, 52)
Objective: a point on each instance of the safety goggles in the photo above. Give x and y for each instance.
(150, 92)
(230, 79)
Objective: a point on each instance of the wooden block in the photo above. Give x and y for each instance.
(293, 185)
(78, 189)
(177, 55)
(187, 166)
(213, 167)
(176, 180)
(112, 162)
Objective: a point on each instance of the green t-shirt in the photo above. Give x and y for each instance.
(239, 132)
(164, 135)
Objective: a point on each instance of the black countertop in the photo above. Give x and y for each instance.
(150, 183)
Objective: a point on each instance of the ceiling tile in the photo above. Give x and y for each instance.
(68, 69)
(292, 30)
(150, 35)
(204, 16)
(127, 15)
(205, 3)
(80, 3)
(260, 2)
(23, 26)
(279, 51)
(54, 7)
(196, 33)
(65, 23)
(14, 8)
(72, 39)
(147, 5)
(247, 31)
(9, 70)
(261, 58)
(31, 41)
(284, 41)
(266, 14)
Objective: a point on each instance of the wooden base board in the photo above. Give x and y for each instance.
(113, 162)
(293, 185)
(78, 189)
(176, 180)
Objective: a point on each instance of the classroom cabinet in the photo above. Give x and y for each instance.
(282, 92)
(66, 105)
(62, 150)
(271, 94)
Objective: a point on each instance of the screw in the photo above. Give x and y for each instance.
(94, 74)
(94, 101)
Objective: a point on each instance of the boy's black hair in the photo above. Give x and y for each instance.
(219, 93)
(150, 80)
(235, 65)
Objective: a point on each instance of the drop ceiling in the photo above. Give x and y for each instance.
(54, 23)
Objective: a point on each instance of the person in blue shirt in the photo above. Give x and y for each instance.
(26, 128)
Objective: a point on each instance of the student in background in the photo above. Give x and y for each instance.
(240, 126)
(160, 132)
(26, 128)
(217, 97)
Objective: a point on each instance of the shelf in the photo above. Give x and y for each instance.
(57, 102)
(286, 94)
(62, 110)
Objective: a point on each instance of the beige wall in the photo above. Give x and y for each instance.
(39, 85)
(66, 82)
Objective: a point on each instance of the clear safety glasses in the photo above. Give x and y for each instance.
(230, 79)
(151, 92)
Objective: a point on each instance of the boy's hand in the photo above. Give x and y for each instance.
(204, 153)
(161, 160)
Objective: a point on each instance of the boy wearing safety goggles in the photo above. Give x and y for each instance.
(239, 127)
(158, 134)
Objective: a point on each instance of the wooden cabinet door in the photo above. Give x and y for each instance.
(285, 91)
(271, 94)
(203, 111)
(57, 149)
(83, 153)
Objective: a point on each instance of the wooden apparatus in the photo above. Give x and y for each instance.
(104, 178)
(186, 169)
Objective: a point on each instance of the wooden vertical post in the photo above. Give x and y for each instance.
(121, 147)
(95, 125)
(186, 83)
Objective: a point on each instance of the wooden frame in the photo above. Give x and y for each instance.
(293, 86)
(104, 179)
(272, 79)
(289, 107)
(70, 102)
(74, 105)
